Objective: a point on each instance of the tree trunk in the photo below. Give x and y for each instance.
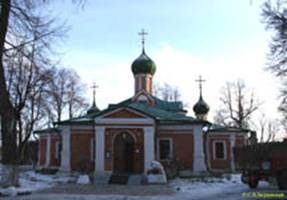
(8, 123)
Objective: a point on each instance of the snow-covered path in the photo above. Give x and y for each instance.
(58, 188)
(231, 194)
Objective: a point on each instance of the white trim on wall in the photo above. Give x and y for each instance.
(176, 132)
(198, 152)
(100, 149)
(224, 149)
(118, 110)
(66, 149)
(125, 126)
(177, 127)
(82, 128)
(148, 147)
(124, 121)
(170, 147)
(48, 151)
(232, 145)
(226, 133)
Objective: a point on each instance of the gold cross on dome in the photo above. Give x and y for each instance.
(143, 33)
(94, 87)
(200, 81)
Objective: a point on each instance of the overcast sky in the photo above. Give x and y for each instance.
(221, 40)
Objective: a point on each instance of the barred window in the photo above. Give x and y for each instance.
(220, 150)
(165, 149)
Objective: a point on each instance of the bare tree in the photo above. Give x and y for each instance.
(275, 18)
(21, 22)
(166, 92)
(238, 105)
(26, 80)
(8, 124)
(262, 127)
(66, 93)
(274, 15)
(267, 128)
(77, 104)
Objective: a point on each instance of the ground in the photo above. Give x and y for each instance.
(46, 187)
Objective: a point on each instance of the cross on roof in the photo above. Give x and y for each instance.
(94, 87)
(143, 34)
(200, 81)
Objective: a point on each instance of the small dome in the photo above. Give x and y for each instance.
(200, 107)
(143, 65)
(94, 109)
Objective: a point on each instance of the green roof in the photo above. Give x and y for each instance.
(201, 106)
(220, 128)
(163, 112)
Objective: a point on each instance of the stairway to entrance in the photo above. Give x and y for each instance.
(126, 179)
(119, 179)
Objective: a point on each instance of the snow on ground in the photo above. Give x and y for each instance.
(30, 181)
(207, 186)
(184, 188)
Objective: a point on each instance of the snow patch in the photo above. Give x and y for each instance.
(205, 186)
(30, 181)
(10, 191)
(156, 173)
(83, 179)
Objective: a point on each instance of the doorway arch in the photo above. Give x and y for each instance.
(124, 145)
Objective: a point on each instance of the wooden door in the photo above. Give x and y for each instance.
(123, 154)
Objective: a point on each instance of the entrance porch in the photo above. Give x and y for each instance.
(124, 151)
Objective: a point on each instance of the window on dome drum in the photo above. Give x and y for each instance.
(165, 148)
(219, 150)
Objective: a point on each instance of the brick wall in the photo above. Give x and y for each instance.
(81, 150)
(42, 149)
(55, 159)
(240, 140)
(182, 147)
(219, 164)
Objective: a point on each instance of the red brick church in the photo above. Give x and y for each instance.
(126, 137)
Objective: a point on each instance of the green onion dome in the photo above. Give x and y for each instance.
(201, 107)
(143, 65)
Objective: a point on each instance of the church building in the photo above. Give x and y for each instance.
(126, 137)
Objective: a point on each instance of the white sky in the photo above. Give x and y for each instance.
(221, 40)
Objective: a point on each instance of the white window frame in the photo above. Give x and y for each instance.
(57, 149)
(224, 149)
(170, 146)
(92, 150)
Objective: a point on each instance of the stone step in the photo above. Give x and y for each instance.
(135, 180)
(102, 178)
(121, 179)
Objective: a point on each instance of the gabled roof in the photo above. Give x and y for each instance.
(87, 119)
(47, 131)
(162, 111)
